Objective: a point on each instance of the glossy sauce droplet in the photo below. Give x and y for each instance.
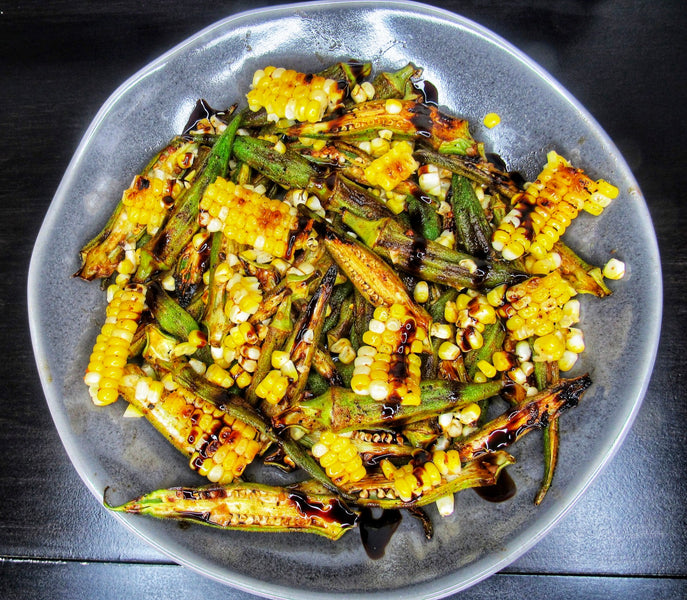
(375, 533)
(504, 489)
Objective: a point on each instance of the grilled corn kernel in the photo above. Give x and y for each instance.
(393, 167)
(491, 120)
(145, 201)
(339, 458)
(535, 306)
(388, 363)
(247, 217)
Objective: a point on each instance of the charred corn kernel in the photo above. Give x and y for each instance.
(487, 368)
(243, 298)
(339, 458)
(110, 352)
(147, 200)
(421, 292)
(197, 338)
(388, 362)
(287, 94)
(614, 269)
(491, 120)
(392, 167)
(532, 305)
(247, 217)
(347, 355)
(541, 214)
(219, 376)
(471, 313)
(502, 361)
(496, 296)
(550, 347)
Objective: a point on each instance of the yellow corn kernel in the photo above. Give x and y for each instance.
(106, 364)
(339, 458)
(393, 167)
(448, 351)
(488, 369)
(549, 348)
(421, 292)
(219, 376)
(491, 120)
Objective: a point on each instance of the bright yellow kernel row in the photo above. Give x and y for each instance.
(339, 458)
(288, 94)
(392, 167)
(247, 217)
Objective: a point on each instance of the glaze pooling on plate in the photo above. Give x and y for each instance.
(473, 71)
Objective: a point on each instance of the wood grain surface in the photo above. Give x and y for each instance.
(624, 61)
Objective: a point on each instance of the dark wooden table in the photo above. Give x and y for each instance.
(625, 61)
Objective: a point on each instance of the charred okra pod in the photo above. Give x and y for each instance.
(249, 507)
(341, 409)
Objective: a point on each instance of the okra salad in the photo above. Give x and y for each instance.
(332, 277)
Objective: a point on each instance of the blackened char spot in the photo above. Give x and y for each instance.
(422, 119)
(418, 252)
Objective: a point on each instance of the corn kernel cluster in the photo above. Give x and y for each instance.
(147, 201)
(392, 167)
(339, 458)
(411, 480)
(247, 217)
(541, 214)
(111, 349)
(470, 313)
(287, 94)
(388, 365)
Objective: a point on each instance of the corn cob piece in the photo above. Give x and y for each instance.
(538, 306)
(111, 350)
(249, 507)
(339, 458)
(389, 364)
(218, 445)
(392, 167)
(143, 205)
(542, 213)
(287, 94)
(247, 217)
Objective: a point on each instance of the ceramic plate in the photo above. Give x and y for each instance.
(475, 72)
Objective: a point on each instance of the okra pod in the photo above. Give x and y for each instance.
(474, 167)
(585, 278)
(248, 507)
(376, 281)
(396, 84)
(533, 414)
(341, 409)
(473, 231)
(427, 259)
(546, 374)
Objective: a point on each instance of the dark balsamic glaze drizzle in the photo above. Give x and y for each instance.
(504, 489)
(427, 90)
(335, 511)
(375, 533)
(202, 110)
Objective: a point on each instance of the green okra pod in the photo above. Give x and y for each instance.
(585, 278)
(342, 410)
(473, 231)
(248, 507)
(427, 259)
(396, 84)
(546, 374)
